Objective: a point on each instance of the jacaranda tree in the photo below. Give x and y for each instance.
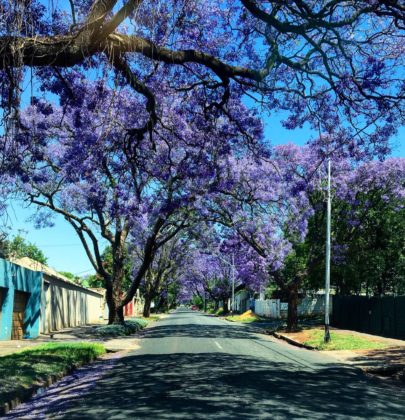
(332, 63)
(266, 211)
(79, 162)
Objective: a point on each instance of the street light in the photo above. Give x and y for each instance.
(327, 257)
(233, 282)
(232, 265)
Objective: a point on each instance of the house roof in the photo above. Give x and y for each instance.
(50, 272)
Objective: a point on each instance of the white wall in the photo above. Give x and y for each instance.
(313, 305)
(273, 308)
(270, 308)
(66, 305)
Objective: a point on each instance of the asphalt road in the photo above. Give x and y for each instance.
(193, 366)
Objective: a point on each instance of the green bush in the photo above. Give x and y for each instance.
(116, 330)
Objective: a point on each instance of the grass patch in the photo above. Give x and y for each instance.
(19, 371)
(151, 318)
(219, 312)
(130, 326)
(247, 317)
(342, 341)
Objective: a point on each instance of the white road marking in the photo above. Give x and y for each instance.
(218, 345)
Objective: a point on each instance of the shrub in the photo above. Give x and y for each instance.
(116, 330)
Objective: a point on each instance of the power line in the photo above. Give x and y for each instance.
(58, 245)
(85, 271)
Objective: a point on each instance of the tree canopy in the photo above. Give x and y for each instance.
(18, 247)
(141, 122)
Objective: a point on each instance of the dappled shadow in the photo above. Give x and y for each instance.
(87, 333)
(197, 331)
(380, 357)
(218, 385)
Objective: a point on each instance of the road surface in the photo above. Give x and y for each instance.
(194, 366)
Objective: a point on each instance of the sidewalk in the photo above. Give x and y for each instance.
(386, 362)
(76, 334)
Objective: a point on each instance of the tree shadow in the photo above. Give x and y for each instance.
(197, 331)
(218, 385)
(381, 357)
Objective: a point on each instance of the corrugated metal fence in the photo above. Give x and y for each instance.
(382, 316)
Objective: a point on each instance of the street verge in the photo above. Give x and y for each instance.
(377, 356)
(22, 374)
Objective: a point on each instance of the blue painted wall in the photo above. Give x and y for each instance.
(14, 277)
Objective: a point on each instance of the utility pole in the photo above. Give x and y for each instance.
(233, 283)
(232, 265)
(327, 256)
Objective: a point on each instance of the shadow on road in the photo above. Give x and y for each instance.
(207, 385)
(197, 330)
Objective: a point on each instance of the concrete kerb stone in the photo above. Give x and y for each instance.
(292, 341)
(26, 394)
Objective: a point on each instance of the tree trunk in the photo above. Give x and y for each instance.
(115, 309)
(146, 308)
(292, 317)
(114, 297)
(115, 306)
(162, 305)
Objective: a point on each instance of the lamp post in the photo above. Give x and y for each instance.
(232, 265)
(233, 283)
(327, 256)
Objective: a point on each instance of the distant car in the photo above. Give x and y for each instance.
(194, 307)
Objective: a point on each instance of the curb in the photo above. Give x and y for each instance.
(26, 394)
(383, 369)
(291, 341)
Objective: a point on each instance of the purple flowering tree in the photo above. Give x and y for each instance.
(264, 210)
(80, 163)
(335, 63)
(163, 272)
(209, 276)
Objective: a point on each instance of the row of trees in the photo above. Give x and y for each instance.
(368, 238)
(143, 130)
(287, 249)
